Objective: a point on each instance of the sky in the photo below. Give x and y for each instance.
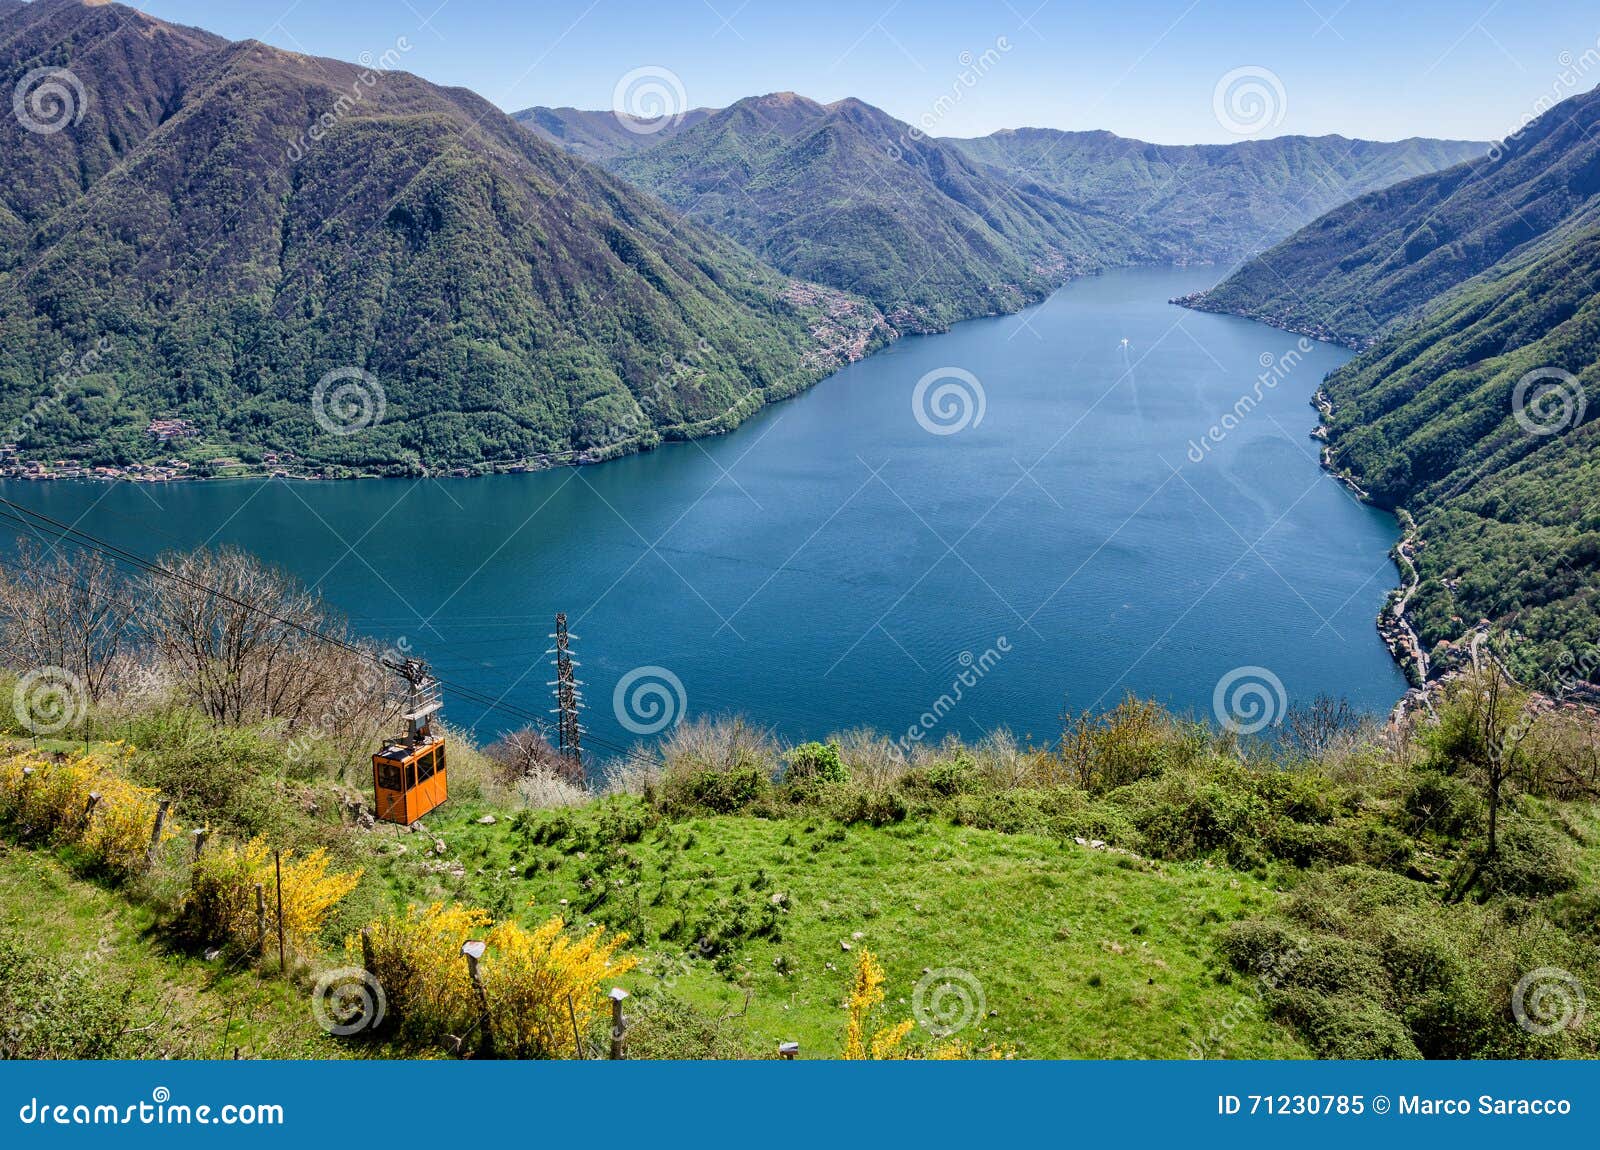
(1171, 71)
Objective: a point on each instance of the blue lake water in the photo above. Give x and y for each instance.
(834, 563)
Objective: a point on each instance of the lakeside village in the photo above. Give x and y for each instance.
(175, 433)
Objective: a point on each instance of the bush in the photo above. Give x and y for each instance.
(221, 905)
(1532, 860)
(53, 1010)
(816, 762)
(535, 982)
(52, 804)
(216, 776)
(1441, 807)
(716, 791)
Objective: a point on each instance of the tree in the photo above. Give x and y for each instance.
(69, 611)
(1482, 727)
(245, 638)
(527, 751)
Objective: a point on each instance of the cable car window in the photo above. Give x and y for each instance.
(425, 767)
(389, 776)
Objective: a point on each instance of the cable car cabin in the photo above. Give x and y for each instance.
(408, 778)
(409, 781)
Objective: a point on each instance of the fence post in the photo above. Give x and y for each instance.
(155, 831)
(619, 1025)
(277, 869)
(88, 807)
(473, 950)
(261, 923)
(200, 834)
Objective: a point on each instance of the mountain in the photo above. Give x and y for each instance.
(1211, 202)
(1475, 407)
(1502, 476)
(1376, 262)
(936, 230)
(602, 136)
(227, 224)
(846, 195)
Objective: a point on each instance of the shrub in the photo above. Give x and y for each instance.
(216, 776)
(1531, 860)
(221, 905)
(535, 981)
(52, 804)
(1441, 807)
(818, 762)
(56, 1010)
(719, 792)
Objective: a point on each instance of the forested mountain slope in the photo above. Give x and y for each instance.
(225, 224)
(1378, 261)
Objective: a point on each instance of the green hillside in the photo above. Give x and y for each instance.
(248, 221)
(1370, 264)
(848, 196)
(1205, 203)
(1508, 519)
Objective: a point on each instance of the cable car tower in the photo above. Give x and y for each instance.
(569, 731)
(408, 778)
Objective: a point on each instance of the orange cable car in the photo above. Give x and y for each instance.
(408, 774)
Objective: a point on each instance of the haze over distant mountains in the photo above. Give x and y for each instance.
(1478, 407)
(934, 230)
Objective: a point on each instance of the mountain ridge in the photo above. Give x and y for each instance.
(288, 217)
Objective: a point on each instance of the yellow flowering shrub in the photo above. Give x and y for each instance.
(53, 803)
(534, 981)
(530, 976)
(866, 994)
(416, 958)
(222, 893)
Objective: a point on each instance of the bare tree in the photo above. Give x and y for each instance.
(527, 752)
(69, 611)
(244, 638)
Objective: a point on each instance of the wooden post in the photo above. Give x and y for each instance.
(200, 834)
(577, 1040)
(155, 831)
(473, 950)
(277, 868)
(261, 923)
(619, 1025)
(88, 807)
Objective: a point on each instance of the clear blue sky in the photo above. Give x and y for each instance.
(1381, 69)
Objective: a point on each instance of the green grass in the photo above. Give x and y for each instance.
(1081, 953)
(190, 1008)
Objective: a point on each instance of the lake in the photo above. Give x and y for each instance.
(963, 532)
